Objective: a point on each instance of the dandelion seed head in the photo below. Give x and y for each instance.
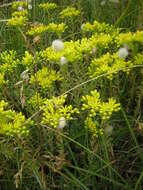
(63, 61)
(123, 52)
(62, 123)
(57, 45)
(20, 8)
(103, 3)
(29, 7)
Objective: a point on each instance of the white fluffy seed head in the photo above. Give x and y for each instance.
(20, 8)
(62, 123)
(123, 52)
(63, 61)
(108, 130)
(57, 45)
(103, 3)
(29, 7)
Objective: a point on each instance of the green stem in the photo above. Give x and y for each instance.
(132, 134)
(139, 180)
(120, 19)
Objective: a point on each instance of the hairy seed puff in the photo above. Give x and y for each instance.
(57, 45)
(20, 8)
(103, 3)
(63, 61)
(123, 52)
(29, 7)
(62, 123)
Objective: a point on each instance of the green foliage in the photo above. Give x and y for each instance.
(12, 123)
(15, 5)
(9, 61)
(64, 76)
(49, 77)
(111, 64)
(50, 28)
(48, 6)
(23, 13)
(69, 12)
(28, 60)
(17, 21)
(98, 27)
(54, 109)
(96, 107)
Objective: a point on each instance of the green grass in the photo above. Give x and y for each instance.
(69, 159)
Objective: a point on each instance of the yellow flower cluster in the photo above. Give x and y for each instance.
(23, 13)
(49, 55)
(109, 64)
(17, 21)
(74, 51)
(98, 27)
(107, 108)
(12, 123)
(94, 105)
(35, 100)
(138, 59)
(93, 127)
(69, 12)
(95, 108)
(8, 61)
(20, 15)
(2, 81)
(54, 109)
(45, 77)
(51, 28)
(48, 6)
(28, 60)
(17, 4)
(129, 38)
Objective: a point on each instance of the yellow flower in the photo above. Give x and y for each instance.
(56, 113)
(69, 12)
(17, 21)
(47, 6)
(12, 123)
(46, 77)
